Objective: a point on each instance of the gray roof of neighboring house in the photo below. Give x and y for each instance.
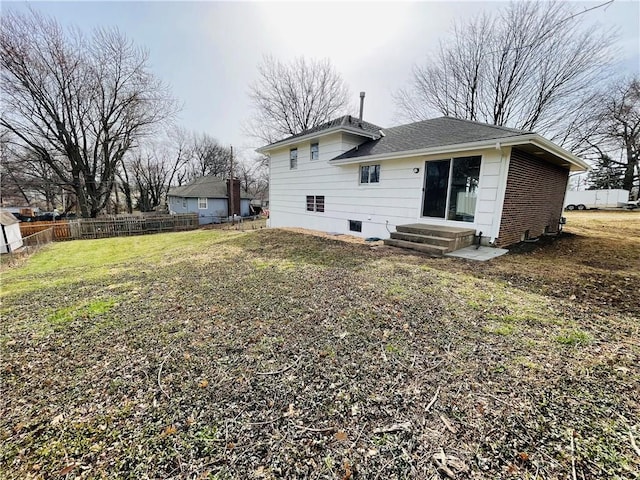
(347, 121)
(204, 187)
(436, 132)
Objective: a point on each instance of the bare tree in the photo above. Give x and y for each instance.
(531, 67)
(207, 157)
(180, 146)
(26, 178)
(614, 133)
(289, 98)
(79, 103)
(151, 173)
(146, 173)
(253, 175)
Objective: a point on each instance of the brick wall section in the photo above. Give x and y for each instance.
(533, 198)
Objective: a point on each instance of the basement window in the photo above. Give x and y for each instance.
(370, 174)
(355, 226)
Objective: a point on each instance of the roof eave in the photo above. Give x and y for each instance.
(308, 136)
(576, 164)
(458, 147)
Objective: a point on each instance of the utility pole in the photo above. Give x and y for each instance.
(231, 188)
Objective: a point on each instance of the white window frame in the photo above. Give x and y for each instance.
(206, 203)
(369, 171)
(293, 158)
(317, 145)
(312, 203)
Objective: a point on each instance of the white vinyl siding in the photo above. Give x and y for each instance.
(396, 199)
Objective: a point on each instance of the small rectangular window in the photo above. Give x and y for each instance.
(293, 158)
(202, 203)
(370, 174)
(355, 225)
(315, 204)
(184, 203)
(315, 152)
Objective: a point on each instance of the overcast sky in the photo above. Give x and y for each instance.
(209, 51)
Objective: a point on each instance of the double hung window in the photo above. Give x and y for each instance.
(370, 174)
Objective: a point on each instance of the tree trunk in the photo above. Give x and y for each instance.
(629, 170)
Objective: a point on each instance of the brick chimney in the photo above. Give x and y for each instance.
(236, 197)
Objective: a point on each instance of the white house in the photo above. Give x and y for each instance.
(11, 236)
(428, 178)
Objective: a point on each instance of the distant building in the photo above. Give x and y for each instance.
(209, 197)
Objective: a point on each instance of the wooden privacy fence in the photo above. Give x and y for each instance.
(121, 226)
(60, 229)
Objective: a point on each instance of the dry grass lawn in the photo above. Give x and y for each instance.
(276, 354)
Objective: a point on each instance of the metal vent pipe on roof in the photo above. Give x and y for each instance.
(361, 105)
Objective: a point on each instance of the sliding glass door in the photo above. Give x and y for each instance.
(450, 188)
(435, 189)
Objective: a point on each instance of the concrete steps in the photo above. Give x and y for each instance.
(432, 239)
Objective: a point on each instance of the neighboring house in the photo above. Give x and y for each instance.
(450, 175)
(208, 197)
(11, 236)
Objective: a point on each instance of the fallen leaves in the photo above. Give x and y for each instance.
(396, 427)
(448, 425)
(449, 465)
(57, 419)
(287, 379)
(291, 412)
(347, 470)
(67, 469)
(341, 436)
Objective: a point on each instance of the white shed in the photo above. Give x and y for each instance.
(11, 236)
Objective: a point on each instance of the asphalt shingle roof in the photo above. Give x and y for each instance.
(204, 187)
(436, 132)
(344, 121)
